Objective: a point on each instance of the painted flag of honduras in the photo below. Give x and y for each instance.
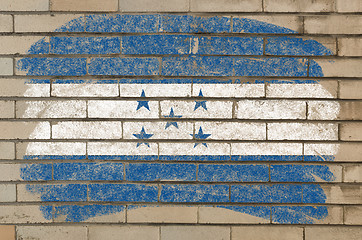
(147, 112)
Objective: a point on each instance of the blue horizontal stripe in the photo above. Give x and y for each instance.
(245, 25)
(194, 157)
(122, 157)
(267, 157)
(300, 173)
(36, 172)
(298, 214)
(59, 192)
(85, 45)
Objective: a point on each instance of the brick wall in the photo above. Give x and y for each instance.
(180, 119)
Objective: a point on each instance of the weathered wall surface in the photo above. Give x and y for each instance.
(180, 119)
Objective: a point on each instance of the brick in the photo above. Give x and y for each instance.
(48, 23)
(161, 214)
(88, 171)
(323, 110)
(85, 45)
(332, 233)
(51, 109)
(7, 150)
(337, 24)
(352, 173)
(125, 232)
(287, 215)
(25, 130)
(305, 173)
(84, 5)
(90, 213)
(154, 6)
(352, 215)
(351, 132)
(332, 68)
(343, 152)
(352, 6)
(190, 151)
(227, 46)
(197, 66)
(194, 193)
(18, 5)
(194, 24)
(6, 66)
(349, 89)
(196, 109)
(297, 6)
(122, 23)
(46, 66)
(267, 233)
(227, 89)
(52, 193)
(322, 89)
(265, 151)
(156, 44)
(226, 6)
(350, 111)
(293, 46)
(52, 232)
(123, 192)
(302, 131)
(233, 173)
(122, 109)
(350, 46)
(24, 45)
(271, 109)
(268, 24)
(124, 66)
(6, 23)
(26, 172)
(12, 87)
(7, 109)
(342, 194)
(53, 149)
(7, 232)
(233, 130)
(160, 172)
(61, 88)
(87, 130)
(257, 67)
(23, 214)
(234, 214)
(104, 150)
(287, 193)
(194, 232)
(7, 193)
(160, 130)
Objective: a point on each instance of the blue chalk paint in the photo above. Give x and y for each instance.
(88, 171)
(59, 192)
(36, 172)
(123, 193)
(245, 25)
(124, 66)
(298, 214)
(295, 46)
(300, 173)
(194, 193)
(233, 173)
(160, 172)
(156, 44)
(75, 25)
(277, 193)
(85, 45)
(53, 66)
(313, 193)
(40, 47)
(229, 45)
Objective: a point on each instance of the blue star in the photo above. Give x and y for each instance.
(200, 103)
(143, 135)
(143, 103)
(200, 135)
(172, 115)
